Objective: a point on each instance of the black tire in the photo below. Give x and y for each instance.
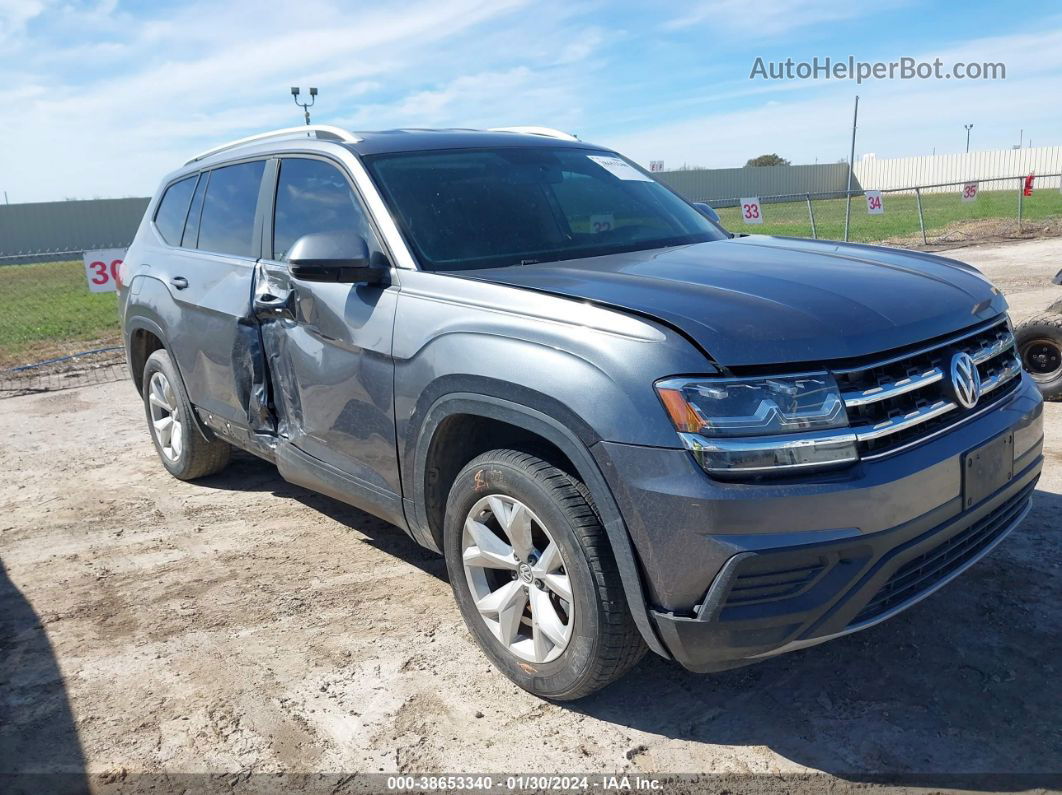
(604, 643)
(197, 457)
(1040, 346)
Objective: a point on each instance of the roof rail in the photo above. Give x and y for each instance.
(549, 132)
(324, 132)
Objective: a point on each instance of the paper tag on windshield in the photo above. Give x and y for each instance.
(620, 168)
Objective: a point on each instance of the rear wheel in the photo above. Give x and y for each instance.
(181, 447)
(534, 576)
(1040, 346)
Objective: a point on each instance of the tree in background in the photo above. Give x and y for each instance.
(768, 160)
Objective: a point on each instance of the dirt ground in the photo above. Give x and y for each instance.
(245, 624)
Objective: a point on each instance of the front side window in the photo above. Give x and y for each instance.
(313, 196)
(227, 222)
(169, 218)
(484, 208)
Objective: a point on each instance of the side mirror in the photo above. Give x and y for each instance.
(334, 257)
(707, 211)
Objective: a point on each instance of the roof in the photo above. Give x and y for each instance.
(413, 140)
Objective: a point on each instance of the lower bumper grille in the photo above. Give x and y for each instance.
(758, 586)
(923, 572)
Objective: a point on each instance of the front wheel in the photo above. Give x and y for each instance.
(535, 578)
(1039, 342)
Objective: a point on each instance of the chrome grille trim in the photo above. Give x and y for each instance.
(980, 412)
(981, 329)
(931, 376)
(864, 397)
(897, 424)
(991, 351)
(1010, 369)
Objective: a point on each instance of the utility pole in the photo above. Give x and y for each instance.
(968, 128)
(304, 105)
(851, 169)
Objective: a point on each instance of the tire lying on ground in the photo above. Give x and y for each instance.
(1040, 346)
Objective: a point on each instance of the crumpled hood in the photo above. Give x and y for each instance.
(763, 300)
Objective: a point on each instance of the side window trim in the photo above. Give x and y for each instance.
(380, 240)
(267, 206)
(204, 180)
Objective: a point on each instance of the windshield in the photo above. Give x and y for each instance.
(485, 208)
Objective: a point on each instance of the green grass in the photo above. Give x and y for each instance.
(48, 310)
(940, 210)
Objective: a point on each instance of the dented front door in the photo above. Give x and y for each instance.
(328, 345)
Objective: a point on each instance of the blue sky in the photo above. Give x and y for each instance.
(102, 98)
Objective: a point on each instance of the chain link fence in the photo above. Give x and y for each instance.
(54, 331)
(940, 215)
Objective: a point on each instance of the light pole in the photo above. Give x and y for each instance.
(851, 166)
(304, 105)
(968, 128)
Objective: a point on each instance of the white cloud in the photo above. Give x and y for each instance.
(178, 85)
(811, 121)
(765, 18)
(108, 102)
(14, 14)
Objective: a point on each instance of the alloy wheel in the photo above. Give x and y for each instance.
(165, 416)
(518, 578)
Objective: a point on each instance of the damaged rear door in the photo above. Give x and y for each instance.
(328, 346)
(210, 273)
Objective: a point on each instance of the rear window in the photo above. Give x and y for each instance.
(227, 223)
(173, 208)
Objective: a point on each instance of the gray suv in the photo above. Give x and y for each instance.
(623, 427)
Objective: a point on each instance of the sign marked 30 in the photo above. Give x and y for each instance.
(101, 269)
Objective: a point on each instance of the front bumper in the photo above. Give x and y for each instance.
(741, 571)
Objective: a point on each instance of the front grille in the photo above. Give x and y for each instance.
(923, 572)
(894, 401)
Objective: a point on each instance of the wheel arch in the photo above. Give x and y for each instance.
(543, 426)
(144, 336)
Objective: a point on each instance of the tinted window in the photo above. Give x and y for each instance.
(227, 225)
(169, 218)
(191, 227)
(313, 196)
(511, 206)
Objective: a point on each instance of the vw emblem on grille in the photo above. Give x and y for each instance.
(965, 380)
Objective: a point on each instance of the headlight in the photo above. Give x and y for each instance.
(745, 425)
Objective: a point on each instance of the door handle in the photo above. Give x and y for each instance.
(179, 282)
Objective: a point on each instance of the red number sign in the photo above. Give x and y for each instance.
(750, 210)
(102, 269)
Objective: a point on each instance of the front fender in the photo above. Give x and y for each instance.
(569, 440)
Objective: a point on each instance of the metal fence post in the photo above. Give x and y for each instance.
(811, 215)
(1021, 198)
(921, 219)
